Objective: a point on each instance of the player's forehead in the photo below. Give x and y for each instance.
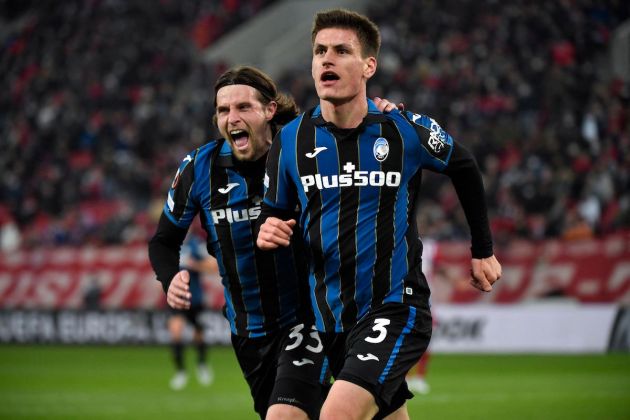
(333, 37)
(236, 94)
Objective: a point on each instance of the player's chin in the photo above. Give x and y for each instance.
(243, 154)
(326, 92)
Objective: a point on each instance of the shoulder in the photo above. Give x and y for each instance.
(203, 154)
(208, 148)
(423, 122)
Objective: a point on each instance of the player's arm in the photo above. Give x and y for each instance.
(164, 249)
(441, 153)
(165, 246)
(466, 178)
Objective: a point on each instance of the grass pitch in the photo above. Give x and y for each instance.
(64, 382)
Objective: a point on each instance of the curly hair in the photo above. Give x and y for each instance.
(267, 91)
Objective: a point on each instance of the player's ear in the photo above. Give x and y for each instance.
(369, 67)
(270, 110)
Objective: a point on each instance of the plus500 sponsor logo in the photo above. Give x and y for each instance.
(353, 179)
(233, 216)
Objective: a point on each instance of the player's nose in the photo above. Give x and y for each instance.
(234, 116)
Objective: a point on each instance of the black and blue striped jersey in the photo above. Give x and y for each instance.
(356, 189)
(262, 288)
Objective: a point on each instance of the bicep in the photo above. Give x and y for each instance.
(181, 205)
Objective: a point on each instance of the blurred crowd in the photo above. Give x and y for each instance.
(102, 98)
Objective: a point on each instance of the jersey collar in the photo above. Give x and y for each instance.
(373, 116)
(224, 158)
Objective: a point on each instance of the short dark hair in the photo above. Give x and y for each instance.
(366, 30)
(267, 92)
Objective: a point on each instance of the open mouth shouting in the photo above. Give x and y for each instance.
(240, 139)
(328, 78)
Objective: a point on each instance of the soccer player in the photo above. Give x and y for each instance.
(354, 173)
(196, 261)
(266, 293)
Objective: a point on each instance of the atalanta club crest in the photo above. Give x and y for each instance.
(381, 149)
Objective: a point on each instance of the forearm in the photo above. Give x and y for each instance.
(164, 248)
(466, 178)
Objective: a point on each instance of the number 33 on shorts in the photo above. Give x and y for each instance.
(301, 346)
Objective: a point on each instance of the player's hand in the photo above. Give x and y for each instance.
(384, 105)
(274, 233)
(485, 272)
(178, 295)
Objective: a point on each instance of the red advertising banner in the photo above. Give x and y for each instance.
(62, 278)
(588, 271)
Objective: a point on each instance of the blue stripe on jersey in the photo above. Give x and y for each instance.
(225, 149)
(323, 376)
(245, 264)
(328, 164)
(319, 319)
(411, 320)
(366, 231)
(402, 218)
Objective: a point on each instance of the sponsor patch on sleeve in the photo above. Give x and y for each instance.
(437, 141)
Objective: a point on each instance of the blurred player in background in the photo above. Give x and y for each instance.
(266, 293)
(354, 172)
(416, 378)
(196, 261)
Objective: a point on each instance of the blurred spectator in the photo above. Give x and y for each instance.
(92, 294)
(10, 237)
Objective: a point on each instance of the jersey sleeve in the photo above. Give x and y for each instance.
(181, 205)
(164, 250)
(436, 144)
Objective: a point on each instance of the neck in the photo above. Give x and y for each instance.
(347, 114)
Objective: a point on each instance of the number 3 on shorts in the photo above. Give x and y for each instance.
(379, 326)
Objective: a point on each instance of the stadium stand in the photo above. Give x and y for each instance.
(102, 97)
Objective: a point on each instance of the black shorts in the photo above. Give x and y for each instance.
(192, 315)
(287, 367)
(379, 350)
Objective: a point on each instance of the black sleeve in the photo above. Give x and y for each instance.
(164, 250)
(466, 178)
